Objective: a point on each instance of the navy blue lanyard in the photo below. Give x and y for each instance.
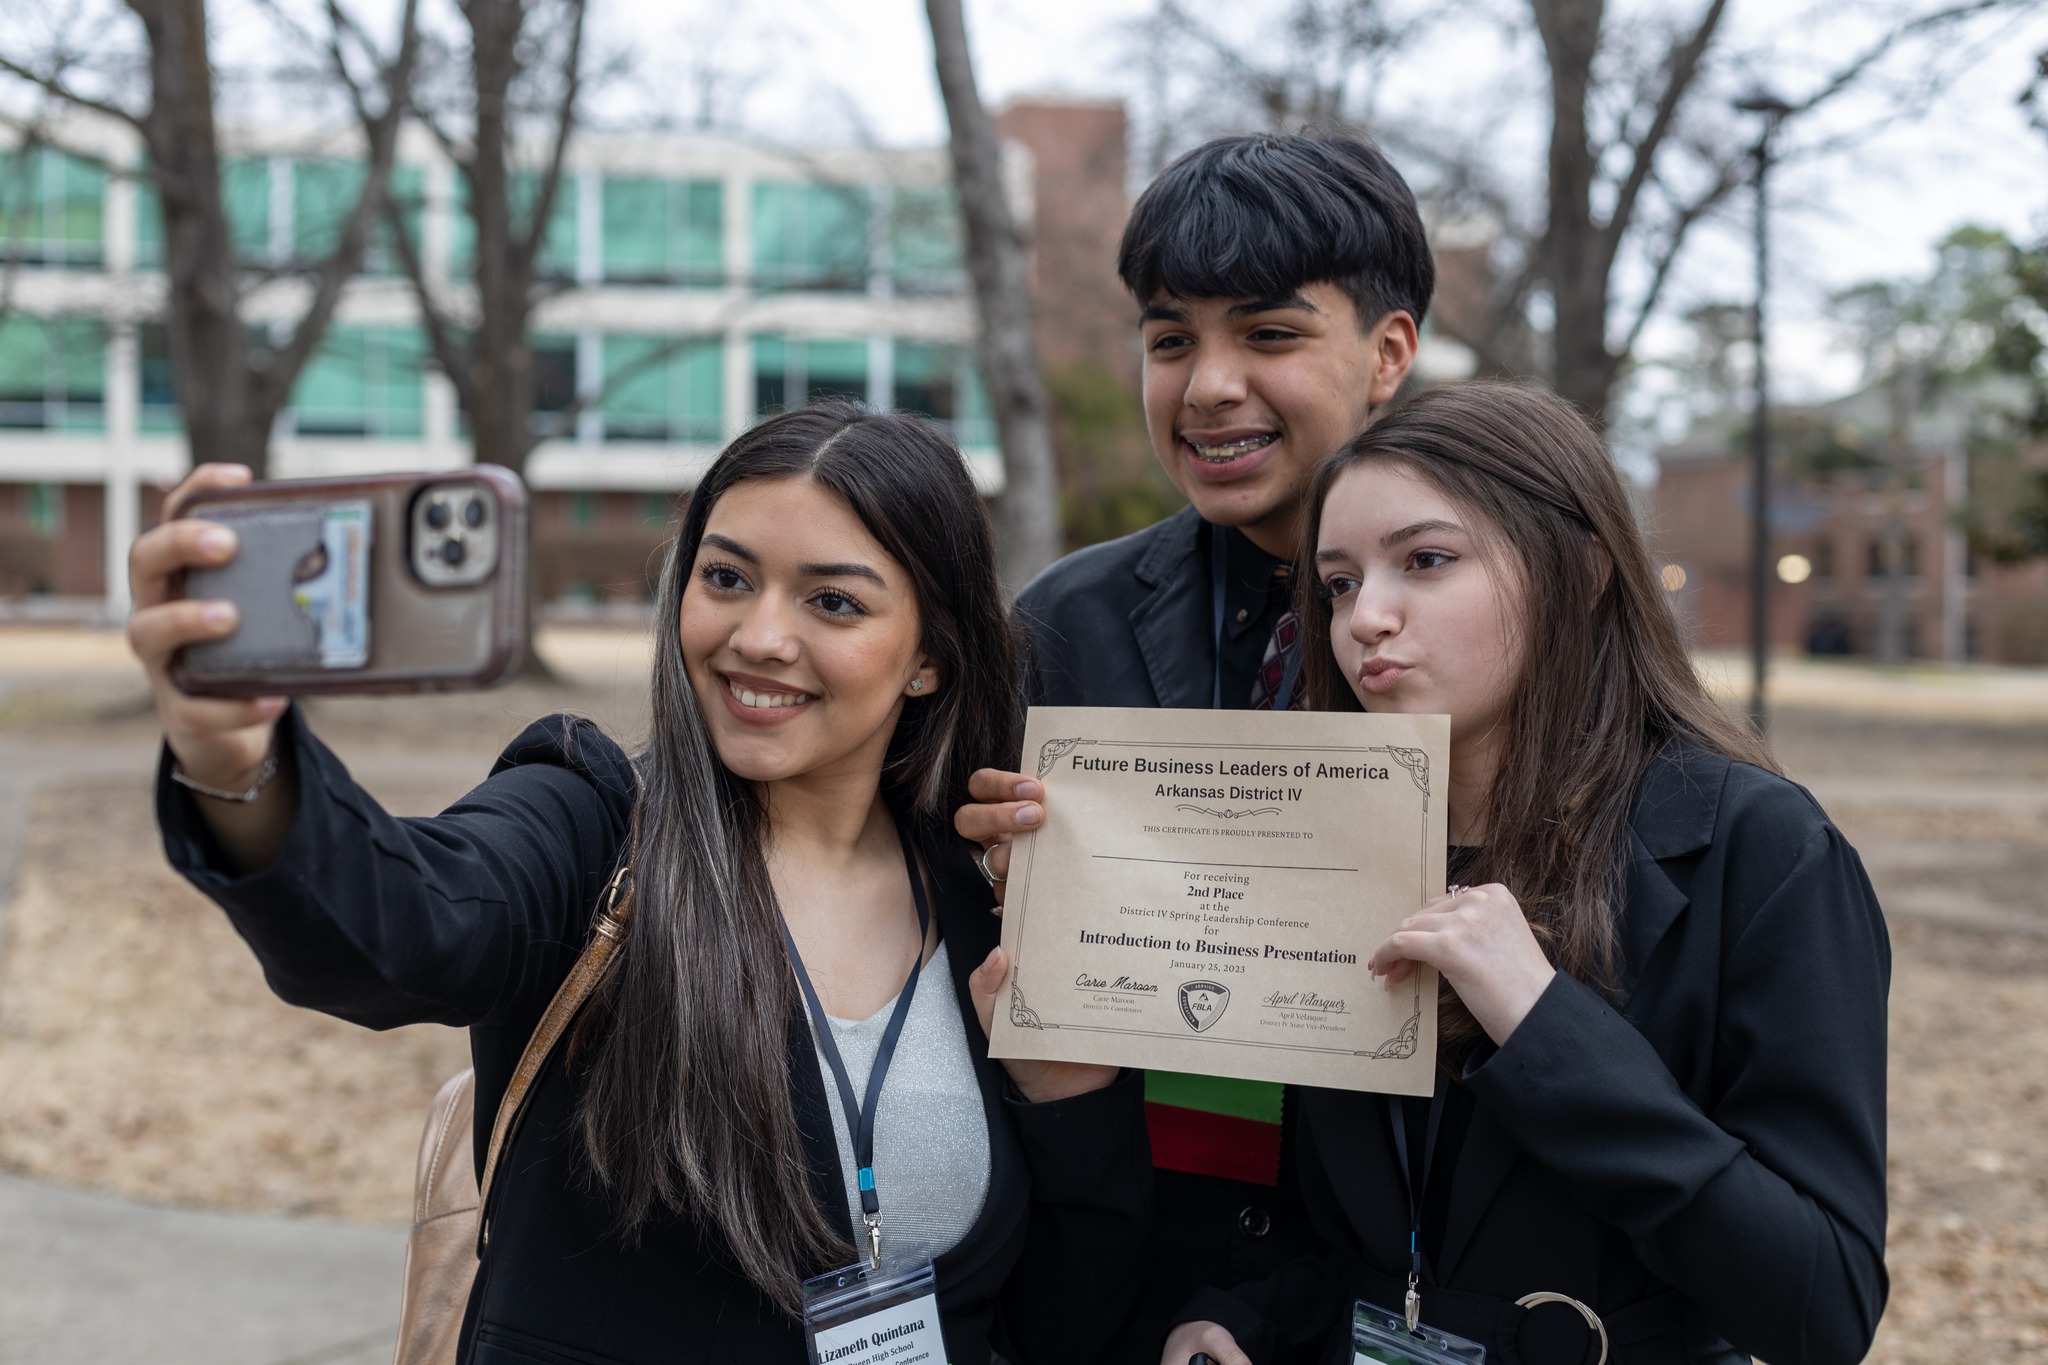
(1417, 1190)
(1219, 573)
(860, 1118)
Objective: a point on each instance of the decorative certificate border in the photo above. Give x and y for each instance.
(1400, 1047)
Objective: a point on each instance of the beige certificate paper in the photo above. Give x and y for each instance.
(1209, 886)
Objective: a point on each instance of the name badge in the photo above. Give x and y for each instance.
(866, 1314)
(1379, 1337)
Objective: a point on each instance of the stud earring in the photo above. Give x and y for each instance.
(917, 684)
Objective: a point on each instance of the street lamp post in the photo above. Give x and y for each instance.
(1773, 111)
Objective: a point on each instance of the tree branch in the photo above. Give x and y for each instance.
(1879, 50)
(332, 274)
(1682, 224)
(1682, 67)
(53, 82)
(529, 245)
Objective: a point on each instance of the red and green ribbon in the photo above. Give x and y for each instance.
(1214, 1125)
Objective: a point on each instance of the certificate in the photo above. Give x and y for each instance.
(1209, 885)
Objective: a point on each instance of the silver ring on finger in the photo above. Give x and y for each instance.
(988, 872)
(1457, 891)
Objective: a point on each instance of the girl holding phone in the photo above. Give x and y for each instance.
(1658, 1133)
(832, 658)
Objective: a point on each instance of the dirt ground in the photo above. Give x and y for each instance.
(141, 1054)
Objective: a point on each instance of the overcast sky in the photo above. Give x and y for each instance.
(861, 68)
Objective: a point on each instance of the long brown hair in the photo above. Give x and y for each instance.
(1605, 679)
(686, 1103)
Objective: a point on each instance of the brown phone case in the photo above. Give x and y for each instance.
(421, 638)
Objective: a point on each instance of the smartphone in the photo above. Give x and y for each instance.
(386, 583)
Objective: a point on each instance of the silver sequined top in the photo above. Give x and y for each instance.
(931, 1137)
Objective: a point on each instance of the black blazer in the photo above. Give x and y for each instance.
(474, 917)
(1124, 623)
(1128, 623)
(1702, 1161)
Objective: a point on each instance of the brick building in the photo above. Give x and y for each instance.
(1868, 552)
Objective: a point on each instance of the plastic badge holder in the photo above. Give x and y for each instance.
(1379, 1337)
(876, 1315)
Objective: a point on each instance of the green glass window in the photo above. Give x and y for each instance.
(942, 382)
(52, 208)
(554, 373)
(810, 236)
(363, 381)
(664, 231)
(408, 190)
(323, 195)
(554, 385)
(558, 245)
(159, 380)
(323, 192)
(245, 195)
(660, 388)
(53, 373)
(925, 241)
(790, 372)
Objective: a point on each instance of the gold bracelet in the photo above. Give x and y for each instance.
(263, 776)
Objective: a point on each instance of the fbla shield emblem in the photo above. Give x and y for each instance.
(1202, 1003)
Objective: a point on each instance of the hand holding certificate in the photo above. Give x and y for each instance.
(1209, 886)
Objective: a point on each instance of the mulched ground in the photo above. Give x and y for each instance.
(141, 1054)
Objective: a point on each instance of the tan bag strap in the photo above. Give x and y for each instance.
(569, 998)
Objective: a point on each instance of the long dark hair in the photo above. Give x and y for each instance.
(1605, 678)
(687, 1104)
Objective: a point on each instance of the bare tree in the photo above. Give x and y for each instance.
(231, 384)
(520, 90)
(1642, 180)
(1028, 512)
(1320, 63)
(524, 69)
(1642, 150)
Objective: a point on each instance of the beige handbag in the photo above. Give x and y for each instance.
(448, 1199)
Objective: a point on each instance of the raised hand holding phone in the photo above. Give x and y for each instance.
(221, 743)
(385, 583)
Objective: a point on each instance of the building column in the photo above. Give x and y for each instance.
(120, 502)
(882, 373)
(737, 249)
(589, 225)
(738, 354)
(590, 385)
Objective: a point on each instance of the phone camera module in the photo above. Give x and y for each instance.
(454, 535)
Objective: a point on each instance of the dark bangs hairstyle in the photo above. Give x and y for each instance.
(1260, 216)
(686, 1105)
(1605, 679)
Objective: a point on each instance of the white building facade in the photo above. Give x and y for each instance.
(697, 283)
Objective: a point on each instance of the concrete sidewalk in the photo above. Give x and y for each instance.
(89, 1280)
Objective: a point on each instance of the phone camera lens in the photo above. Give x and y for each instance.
(473, 513)
(452, 552)
(437, 515)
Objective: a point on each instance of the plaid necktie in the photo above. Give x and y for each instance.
(1266, 682)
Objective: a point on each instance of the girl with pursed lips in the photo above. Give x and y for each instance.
(1658, 1132)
